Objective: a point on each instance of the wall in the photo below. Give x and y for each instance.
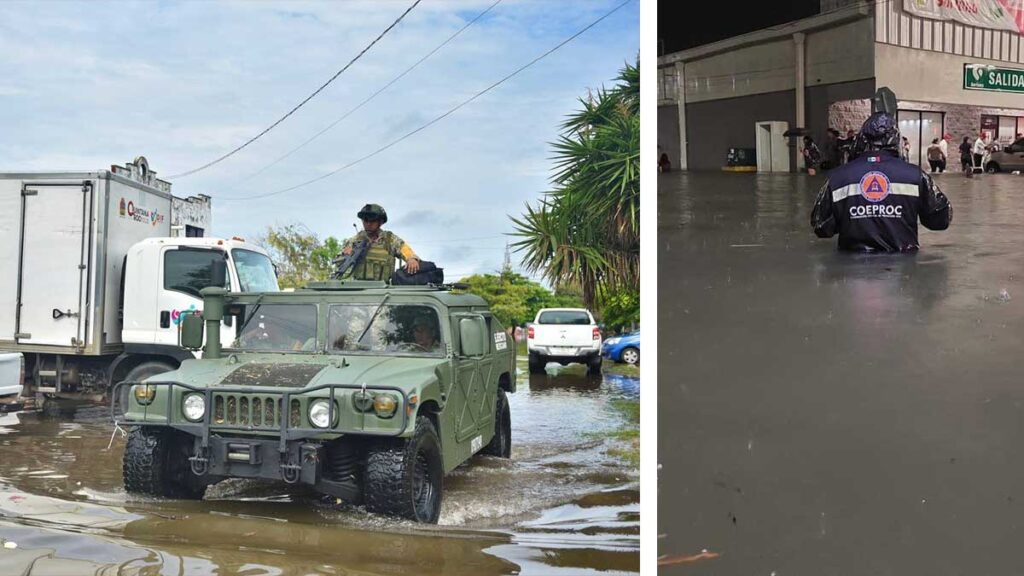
(760, 69)
(714, 126)
(840, 54)
(193, 211)
(820, 100)
(927, 76)
(668, 133)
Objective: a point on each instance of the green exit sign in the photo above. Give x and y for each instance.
(992, 78)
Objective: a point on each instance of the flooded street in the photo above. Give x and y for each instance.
(831, 413)
(561, 505)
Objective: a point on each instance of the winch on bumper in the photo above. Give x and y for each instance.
(244, 432)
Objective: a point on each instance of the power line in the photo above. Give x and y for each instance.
(439, 118)
(301, 104)
(367, 100)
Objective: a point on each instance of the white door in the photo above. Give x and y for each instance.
(54, 260)
(764, 147)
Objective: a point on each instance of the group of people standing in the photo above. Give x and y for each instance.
(836, 151)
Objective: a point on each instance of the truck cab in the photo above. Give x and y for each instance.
(163, 277)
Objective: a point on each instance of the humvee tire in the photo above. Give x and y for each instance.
(501, 444)
(537, 363)
(405, 477)
(156, 463)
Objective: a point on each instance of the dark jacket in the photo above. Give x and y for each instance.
(874, 202)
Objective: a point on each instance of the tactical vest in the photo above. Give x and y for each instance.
(379, 262)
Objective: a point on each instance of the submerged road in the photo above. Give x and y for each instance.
(831, 413)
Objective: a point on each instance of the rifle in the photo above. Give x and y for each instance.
(345, 263)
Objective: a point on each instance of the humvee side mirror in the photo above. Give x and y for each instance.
(472, 336)
(192, 332)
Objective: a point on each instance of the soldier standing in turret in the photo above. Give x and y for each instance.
(384, 248)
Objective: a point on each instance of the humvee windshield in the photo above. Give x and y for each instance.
(397, 328)
(277, 328)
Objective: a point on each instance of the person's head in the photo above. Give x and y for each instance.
(373, 216)
(424, 332)
(967, 139)
(879, 132)
(935, 141)
(808, 140)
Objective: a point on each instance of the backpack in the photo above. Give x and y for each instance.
(428, 273)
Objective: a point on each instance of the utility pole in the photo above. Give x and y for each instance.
(507, 266)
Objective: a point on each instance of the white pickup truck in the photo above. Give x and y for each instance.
(564, 335)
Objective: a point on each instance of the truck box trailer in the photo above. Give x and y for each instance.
(92, 283)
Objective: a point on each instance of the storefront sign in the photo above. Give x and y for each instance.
(992, 14)
(984, 77)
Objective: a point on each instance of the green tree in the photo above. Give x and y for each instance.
(621, 310)
(585, 233)
(514, 299)
(299, 254)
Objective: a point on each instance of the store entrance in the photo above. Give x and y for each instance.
(920, 128)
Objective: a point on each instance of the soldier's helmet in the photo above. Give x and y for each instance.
(373, 212)
(879, 132)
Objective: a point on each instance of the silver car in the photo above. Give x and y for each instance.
(1008, 159)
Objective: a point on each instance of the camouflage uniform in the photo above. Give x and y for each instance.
(379, 262)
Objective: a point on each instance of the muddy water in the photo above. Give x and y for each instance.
(561, 505)
(831, 413)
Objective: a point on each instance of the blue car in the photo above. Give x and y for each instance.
(625, 348)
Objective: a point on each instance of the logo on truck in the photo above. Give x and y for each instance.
(139, 214)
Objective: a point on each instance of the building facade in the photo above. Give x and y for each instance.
(950, 77)
(190, 217)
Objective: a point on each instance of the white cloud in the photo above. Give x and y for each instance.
(88, 84)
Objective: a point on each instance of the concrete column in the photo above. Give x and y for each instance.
(798, 40)
(681, 102)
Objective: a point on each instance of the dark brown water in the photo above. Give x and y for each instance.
(828, 413)
(562, 505)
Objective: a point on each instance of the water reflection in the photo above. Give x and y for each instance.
(498, 517)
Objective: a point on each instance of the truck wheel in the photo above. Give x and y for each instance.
(992, 168)
(156, 463)
(594, 365)
(631, 356)
(404, 478)
(537, 363)
(501, 444)
(140, 372)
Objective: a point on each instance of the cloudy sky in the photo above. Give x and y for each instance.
(84, 85)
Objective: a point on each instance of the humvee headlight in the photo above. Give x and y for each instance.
(144, 394)
(384, 405)
(319, 413)
(194, 407)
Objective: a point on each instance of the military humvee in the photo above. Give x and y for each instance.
(365, 392)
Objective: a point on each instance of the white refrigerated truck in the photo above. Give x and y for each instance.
(93, 286)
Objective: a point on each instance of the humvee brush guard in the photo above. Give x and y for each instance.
(362, 391)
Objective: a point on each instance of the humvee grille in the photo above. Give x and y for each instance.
(243, 410)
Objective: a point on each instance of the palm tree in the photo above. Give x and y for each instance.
(585, 233)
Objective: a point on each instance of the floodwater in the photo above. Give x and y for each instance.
(831, 413)
(561, 505)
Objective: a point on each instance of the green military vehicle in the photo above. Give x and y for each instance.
(366, 392)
